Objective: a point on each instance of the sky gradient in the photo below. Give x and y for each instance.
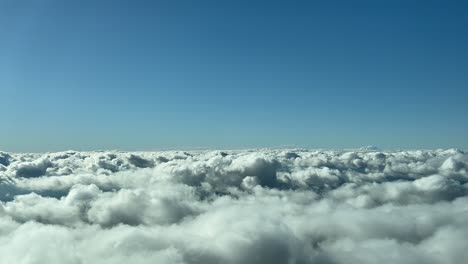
(143, 75)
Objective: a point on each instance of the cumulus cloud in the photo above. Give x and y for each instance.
(252, 206)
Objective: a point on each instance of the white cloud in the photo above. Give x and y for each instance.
(262, 206)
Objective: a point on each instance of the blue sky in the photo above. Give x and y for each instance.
(142, 75)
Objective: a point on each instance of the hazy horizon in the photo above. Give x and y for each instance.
(207, 149)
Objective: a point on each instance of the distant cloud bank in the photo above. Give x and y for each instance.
(259, 206)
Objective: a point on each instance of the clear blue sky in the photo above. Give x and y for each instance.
(143, 75)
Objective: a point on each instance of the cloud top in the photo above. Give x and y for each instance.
(252, 206)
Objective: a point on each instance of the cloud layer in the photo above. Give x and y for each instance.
(259, 206)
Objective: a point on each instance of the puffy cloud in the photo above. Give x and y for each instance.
(253, 206)
(32, 169)
(4, 159)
